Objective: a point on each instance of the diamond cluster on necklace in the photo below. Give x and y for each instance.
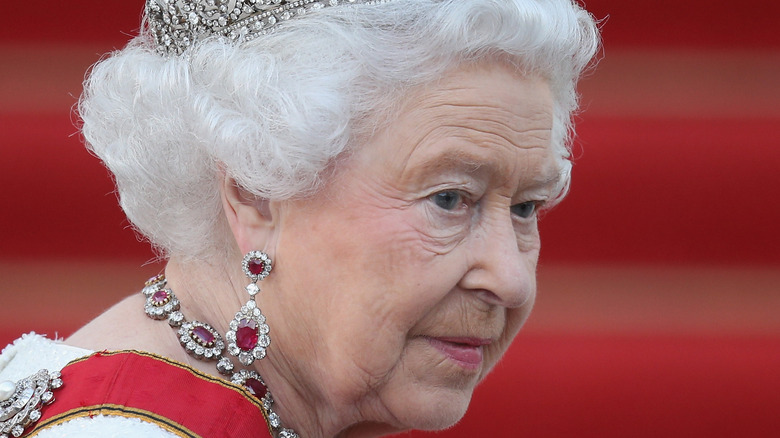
(201, 341)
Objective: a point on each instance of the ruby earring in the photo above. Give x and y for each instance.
(248, 337)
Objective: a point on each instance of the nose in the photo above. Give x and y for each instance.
(502, 263)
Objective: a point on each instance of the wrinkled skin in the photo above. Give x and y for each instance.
(423, 243)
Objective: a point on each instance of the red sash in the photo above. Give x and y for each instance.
(179, 399)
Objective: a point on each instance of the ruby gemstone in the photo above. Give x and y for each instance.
(203, 336)
(255, 387)
(256, 266)
(246, 334)
(160, 297)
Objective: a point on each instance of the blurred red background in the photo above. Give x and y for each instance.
(659, 285)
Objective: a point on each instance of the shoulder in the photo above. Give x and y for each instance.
(33, 352)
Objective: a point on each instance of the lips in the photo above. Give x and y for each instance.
(465, 351)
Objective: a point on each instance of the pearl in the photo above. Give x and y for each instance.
(7, 389)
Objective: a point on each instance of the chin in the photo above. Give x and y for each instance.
(433, 410)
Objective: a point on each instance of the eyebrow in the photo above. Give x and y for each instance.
(469, 163)
(454, 159)
(552, 179)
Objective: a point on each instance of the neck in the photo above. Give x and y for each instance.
(213, 295)
(317, 419)
(209, 295)
(304, 400)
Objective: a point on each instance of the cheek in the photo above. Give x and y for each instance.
(393, 283)
(369, 277)
(386, 275)
(405, 275)
(405, 280)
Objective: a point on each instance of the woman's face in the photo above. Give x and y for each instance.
(399, 285)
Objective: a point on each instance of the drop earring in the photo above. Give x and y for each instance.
(248, 337)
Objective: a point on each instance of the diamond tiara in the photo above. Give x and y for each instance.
(178, 24)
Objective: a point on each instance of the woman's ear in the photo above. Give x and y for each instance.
(250, 217)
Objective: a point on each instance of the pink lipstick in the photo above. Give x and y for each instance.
(466, 352)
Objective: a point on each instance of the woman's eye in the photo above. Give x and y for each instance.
(524, 210)
(449, 200)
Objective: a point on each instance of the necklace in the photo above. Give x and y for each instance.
(203, 342)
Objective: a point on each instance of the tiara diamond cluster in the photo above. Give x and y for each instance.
(177, 24)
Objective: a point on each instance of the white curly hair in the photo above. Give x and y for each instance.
(274, 112)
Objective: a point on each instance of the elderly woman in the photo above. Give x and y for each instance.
(346, 194)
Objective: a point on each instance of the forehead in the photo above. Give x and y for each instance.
(486, 119)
